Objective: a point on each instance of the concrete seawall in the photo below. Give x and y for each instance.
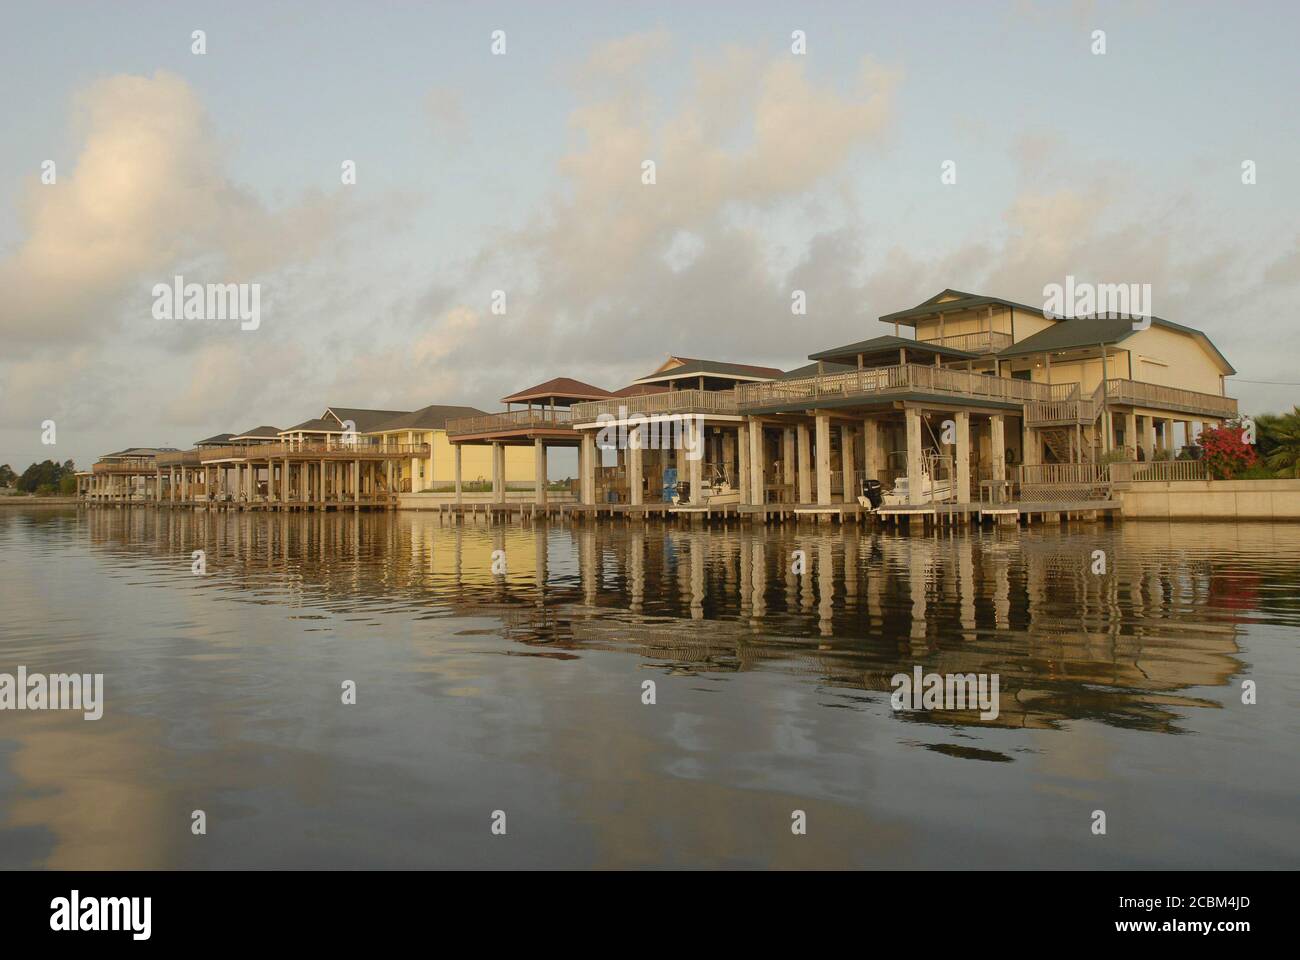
(1210, 499)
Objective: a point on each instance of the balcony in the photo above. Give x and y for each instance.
(671, 402)
(125, 467)
(363, 449)
(880, 383)
(512, 421)
(1159, 397)
(984, 341)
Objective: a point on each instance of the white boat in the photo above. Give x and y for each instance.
(931, 490)
(716, 491)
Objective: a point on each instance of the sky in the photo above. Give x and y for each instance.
(522, 172)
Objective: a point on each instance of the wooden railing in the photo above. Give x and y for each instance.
(985, 341)
(1063, 482)
(1068, 406)
(900, 378)
(188, 458)
(126, 467)
(558, 418)
(1170, 398)
(363, 448)
(651, 404)
(1140, 470)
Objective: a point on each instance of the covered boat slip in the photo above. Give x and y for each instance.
(304, 475)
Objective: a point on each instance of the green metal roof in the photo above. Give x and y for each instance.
(1082, 332)
(887, 344)
(962, 301)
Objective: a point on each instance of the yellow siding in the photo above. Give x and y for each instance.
(440, 466)
(977, 321)
(1185, 363)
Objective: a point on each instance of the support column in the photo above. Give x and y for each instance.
(356, 481)
(498, 474)
(847, 439)
(696, 463)
(963, 456)
(913, 455)
(757, 469)
(998, 445)
(804, 464)
(635, 473)
(320, 479)
(587, 460)
(286, 485)
(1149, 436)
(539, 472)
(789, 462)
(823, 454)
(871, 449)
(1031, 443)
(457, 458)
(742, 463)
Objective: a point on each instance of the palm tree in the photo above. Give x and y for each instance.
(1283, 452)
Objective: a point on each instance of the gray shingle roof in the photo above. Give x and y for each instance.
(1079, 332)
(432, 417)
(887, 344)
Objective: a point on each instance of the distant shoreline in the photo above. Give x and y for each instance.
(21, 501)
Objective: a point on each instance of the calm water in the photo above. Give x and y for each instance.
(522, 693)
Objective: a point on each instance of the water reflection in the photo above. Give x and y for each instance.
(1156, 642)
(1123, 648)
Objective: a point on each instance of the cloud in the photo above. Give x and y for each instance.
(146, 196)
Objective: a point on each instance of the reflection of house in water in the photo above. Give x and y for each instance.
(1125, 648)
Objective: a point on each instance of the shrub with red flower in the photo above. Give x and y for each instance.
(1226, 452)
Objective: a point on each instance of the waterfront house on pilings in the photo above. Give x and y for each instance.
(656, 419)
(987, 392)
(123, 477)
(436, 472)
(544, 421)
(323, 463)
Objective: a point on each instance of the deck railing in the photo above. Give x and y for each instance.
(1063, 482)
(126, 467)
(543, 417)
(1141, 470)
(1170, 398)
(652, 404)
(330, 450)
(984, 341)
(899, 378)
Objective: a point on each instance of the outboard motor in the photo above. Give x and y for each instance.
(873, 491)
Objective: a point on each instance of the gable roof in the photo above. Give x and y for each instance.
(640, 389)
(1081, 332)
(561, 388)
(315, 426)
(810, 370)
(432, 417)
(216, 440)
(138, 452)
(364, 419)
(259, 433)
(953, 301)
(888, 344)
(676, 368)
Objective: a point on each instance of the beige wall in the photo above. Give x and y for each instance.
(977, 321)
(1210, 499)
(1185, 363)
(440, 466)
